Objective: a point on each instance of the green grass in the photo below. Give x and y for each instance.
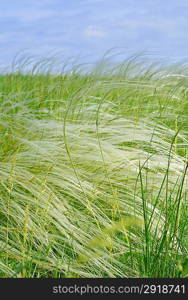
(93, 172)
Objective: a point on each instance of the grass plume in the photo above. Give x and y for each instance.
(93, 171)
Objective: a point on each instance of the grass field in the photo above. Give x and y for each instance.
(93, 172)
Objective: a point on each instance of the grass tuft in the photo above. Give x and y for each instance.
(93, 171)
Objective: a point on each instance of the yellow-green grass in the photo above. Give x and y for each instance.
(93, 172)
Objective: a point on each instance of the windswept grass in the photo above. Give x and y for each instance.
(93, 172)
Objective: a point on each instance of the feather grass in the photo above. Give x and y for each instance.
(93, 172)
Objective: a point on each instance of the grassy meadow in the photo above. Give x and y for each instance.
(93, 171)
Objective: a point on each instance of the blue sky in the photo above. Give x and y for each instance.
(88, 28)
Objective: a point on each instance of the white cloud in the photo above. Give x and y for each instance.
(95, 32)
(27, 15)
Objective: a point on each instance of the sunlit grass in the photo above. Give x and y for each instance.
(93, 172)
